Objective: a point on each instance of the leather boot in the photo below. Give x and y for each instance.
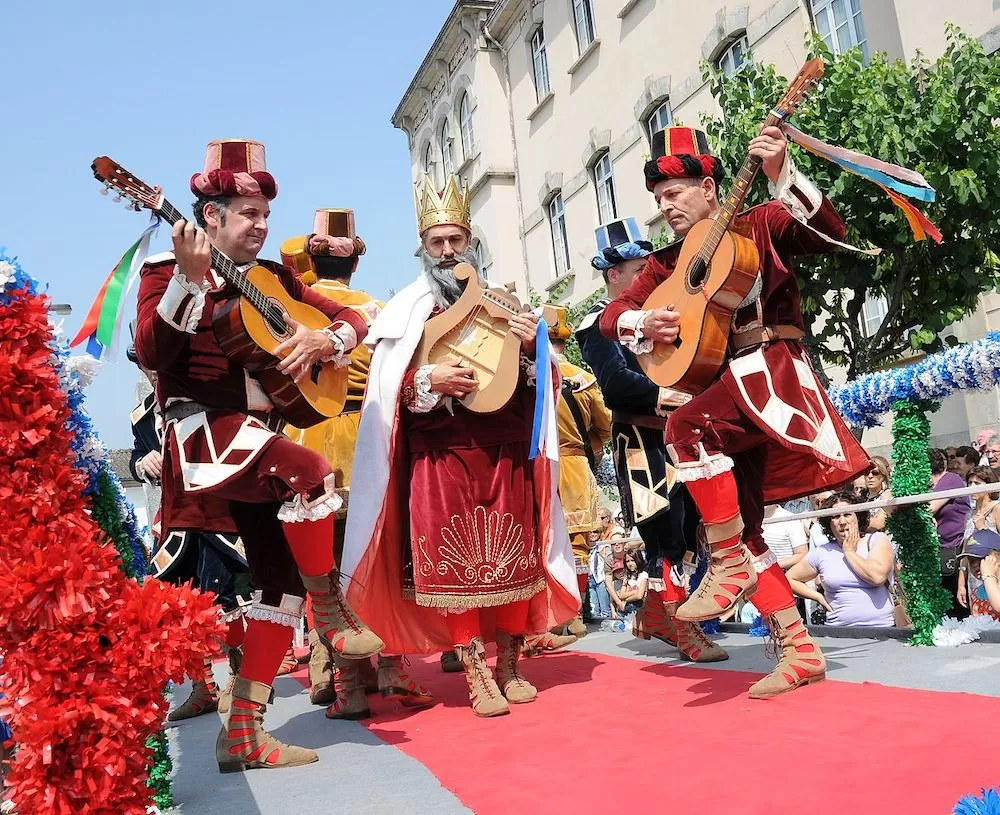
(243, 744)
(321, 689)
(394, 683)
(369, 676)
(484, 695)
(576, 628)
(515, 688)
(226, 697)
(801, 662)
(289, 662)
(450, 663)
(652, 621)
(204, 697)
(691, 640)
(336, 621)
(351, 702)
(731, 575)
(544, 643)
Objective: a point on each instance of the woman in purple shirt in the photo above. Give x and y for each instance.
(951, 516)
(855, 569)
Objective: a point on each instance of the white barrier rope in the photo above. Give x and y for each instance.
(905, 500)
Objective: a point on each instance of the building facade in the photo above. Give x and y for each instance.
(545, 109)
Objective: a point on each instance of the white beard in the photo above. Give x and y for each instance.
(444, 285)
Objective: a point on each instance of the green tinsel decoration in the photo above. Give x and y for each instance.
(107, 514)
(913, 528)
(159, 772)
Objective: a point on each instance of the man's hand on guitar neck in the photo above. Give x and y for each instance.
(662, 324)
(770, 147)
(192, 250)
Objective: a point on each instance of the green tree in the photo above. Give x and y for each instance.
(936, 118)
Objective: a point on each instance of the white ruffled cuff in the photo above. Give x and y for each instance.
(288, 613)
(298, 509)
(424, 399)
(182, 303)
(669, 399)
(344, 338)
(630, 332)
(796, 192)
(708, 467)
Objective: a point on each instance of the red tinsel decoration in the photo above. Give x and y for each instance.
(86, 650)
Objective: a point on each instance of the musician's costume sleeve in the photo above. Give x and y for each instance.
(622, 319)
(168, 312)
(804, 212)
(624, 388)
(346, 325)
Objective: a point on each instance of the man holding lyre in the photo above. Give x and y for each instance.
(454, 535)
(764, 431)
(221, 441)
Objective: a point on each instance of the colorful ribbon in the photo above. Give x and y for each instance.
(894, 180)
(101, 327)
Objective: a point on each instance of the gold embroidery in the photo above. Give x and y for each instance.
(479, 548)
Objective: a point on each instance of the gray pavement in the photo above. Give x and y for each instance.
(358, 773)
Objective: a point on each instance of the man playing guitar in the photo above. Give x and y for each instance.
(764, 430)
(220, 437)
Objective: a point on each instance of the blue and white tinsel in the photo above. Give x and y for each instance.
(974, 366)
(986, 804)
(13, 278)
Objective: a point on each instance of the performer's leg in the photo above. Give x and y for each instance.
(484, 695)
(657, 534)
(700, 435)
(581, 558)
(243, 743)
(511, 621)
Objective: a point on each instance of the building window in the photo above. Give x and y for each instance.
(447, 149)
(465, 124)
(484, 265)
(428, 162)
(660, 119)
(734, 57)
(540, 62)
(583, 18)
(873, 312)
(839, 25)
(604, 180)
(560, 242)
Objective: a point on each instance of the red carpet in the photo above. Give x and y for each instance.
(613, 735)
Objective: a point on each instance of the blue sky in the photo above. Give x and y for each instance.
(151, 84)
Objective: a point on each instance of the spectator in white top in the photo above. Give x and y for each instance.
(786, 539)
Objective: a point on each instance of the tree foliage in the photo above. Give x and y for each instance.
(934, 117)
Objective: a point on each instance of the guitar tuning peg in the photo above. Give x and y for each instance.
(105, 189)
(117, 198)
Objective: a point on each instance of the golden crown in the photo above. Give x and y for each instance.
(449, 207)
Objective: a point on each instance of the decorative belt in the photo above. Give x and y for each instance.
(764, 334)
(181, 410)
(639, 420)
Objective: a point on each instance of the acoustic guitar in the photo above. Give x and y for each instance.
(715, 271)
(475, 333)
(251, 323)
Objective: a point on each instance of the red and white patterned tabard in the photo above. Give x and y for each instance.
(221, 451)
(768, 416)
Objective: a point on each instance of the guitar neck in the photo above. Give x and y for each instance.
(737, 195)
(220, 263)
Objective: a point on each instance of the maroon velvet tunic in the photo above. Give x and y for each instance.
(769, 395)
(473, 528)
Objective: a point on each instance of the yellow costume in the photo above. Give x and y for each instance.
(577, 486)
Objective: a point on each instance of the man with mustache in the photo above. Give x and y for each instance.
(764, 431)
(454, 535)
(220, 438)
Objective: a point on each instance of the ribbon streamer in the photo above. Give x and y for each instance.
(544, 430)
(894, 180)
(102, 325)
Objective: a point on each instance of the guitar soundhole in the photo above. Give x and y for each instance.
(274, 316)
(315, 372)
(697, 272)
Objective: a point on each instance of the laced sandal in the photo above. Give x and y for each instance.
(336, 621)
(801, 662)
(516, 689)
(396, 684)
(485, 697)
(692, 642)
(350, 703)
(243, 744)
(730, 577)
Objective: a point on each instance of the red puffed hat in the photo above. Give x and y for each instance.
(234, 167)
(681, 152)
